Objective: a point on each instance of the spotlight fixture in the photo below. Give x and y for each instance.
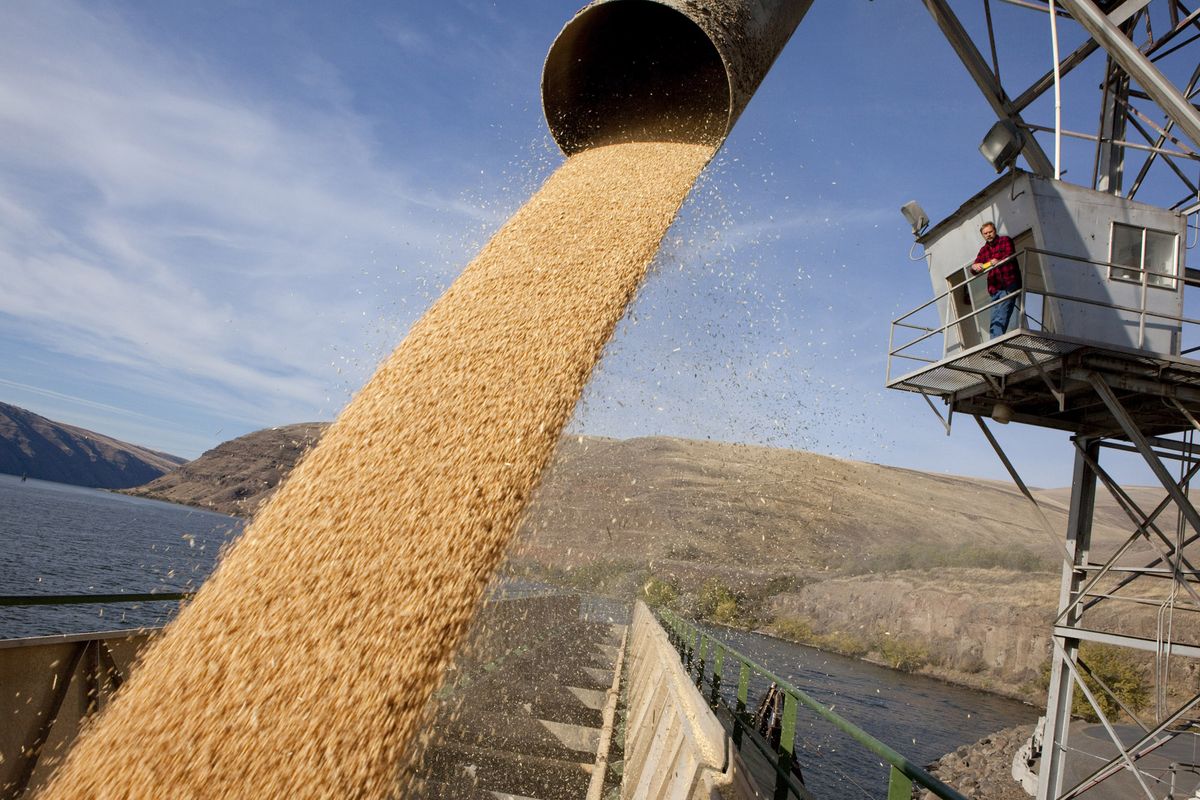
(916, 216)
(1002, 144)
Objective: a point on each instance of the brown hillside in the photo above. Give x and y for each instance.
(829, 550)
(34, 446)
(768, 509)
(237, 476)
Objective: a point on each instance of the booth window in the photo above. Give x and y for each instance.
(1141, 251)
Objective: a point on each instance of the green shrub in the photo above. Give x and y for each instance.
(924, 556)
(1119, 668)
(793, 629)
(972, 664)
(845, 643)
(599, 575)
(903, 654)
(718, 603)
(657, 593)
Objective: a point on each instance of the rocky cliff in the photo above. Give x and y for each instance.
(37, 447)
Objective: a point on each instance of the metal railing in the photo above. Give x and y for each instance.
(714, 665)
(1027, 299)
(89, 599)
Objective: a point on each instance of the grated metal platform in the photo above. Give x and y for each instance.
(1045, 379)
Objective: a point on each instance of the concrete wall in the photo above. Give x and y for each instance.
(675, 747)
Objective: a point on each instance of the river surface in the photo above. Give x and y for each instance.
(920, 717)
(59, 539)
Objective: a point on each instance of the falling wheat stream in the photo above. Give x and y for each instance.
(302, 668)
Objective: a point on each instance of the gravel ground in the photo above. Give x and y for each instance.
(983, 770)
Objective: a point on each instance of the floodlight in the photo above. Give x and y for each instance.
(916, 216)
(1002, 413)
(1002, 144)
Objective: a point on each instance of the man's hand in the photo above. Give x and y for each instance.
(978, 268)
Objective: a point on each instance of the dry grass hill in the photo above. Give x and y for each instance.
(951, 575)
(768, 509)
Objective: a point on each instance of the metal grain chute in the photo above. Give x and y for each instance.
(661, 70)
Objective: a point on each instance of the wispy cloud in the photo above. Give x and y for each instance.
(159, 219)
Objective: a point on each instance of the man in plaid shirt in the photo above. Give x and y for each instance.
(997, 256)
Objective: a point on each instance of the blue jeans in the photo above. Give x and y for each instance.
(1002, 312)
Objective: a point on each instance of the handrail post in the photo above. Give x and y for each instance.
(1022, 269)
(787, 746)
(899, 785)
(718, 669)
(743, 696)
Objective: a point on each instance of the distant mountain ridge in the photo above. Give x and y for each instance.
(41, 448)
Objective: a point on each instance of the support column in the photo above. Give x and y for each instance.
(1110, 160)
(1058, 702)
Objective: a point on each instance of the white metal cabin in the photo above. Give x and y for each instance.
(1100, 274)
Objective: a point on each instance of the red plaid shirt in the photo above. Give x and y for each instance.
(1001, 276)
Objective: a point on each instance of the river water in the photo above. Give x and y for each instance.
(59, 539)
(920, 717)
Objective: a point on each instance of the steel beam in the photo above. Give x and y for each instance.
(1110, 156)
(1058, 701)
(1132, 642)
(1139, 441)
(1080, 54)
(986, 80)
(1144, 746)
(1124, 52)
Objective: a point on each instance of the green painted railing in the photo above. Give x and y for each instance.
(87, 599)
(709, 659)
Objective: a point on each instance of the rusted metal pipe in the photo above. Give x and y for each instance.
(661, 70)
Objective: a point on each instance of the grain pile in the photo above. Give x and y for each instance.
(303, 667)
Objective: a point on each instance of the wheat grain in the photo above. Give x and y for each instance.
(303, 667)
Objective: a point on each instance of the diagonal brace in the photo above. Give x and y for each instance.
(1132, 509)
(1142, 747)
(986, 80)
(1012, 472)
(1122, 752)
(1158, 510)
(1148, 455)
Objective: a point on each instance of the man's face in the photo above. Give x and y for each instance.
(989, 232)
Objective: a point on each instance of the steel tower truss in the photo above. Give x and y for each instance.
(1103, 586)
(1148, 129)
(1147, 120)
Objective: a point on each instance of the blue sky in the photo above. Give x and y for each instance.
(217, 217)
